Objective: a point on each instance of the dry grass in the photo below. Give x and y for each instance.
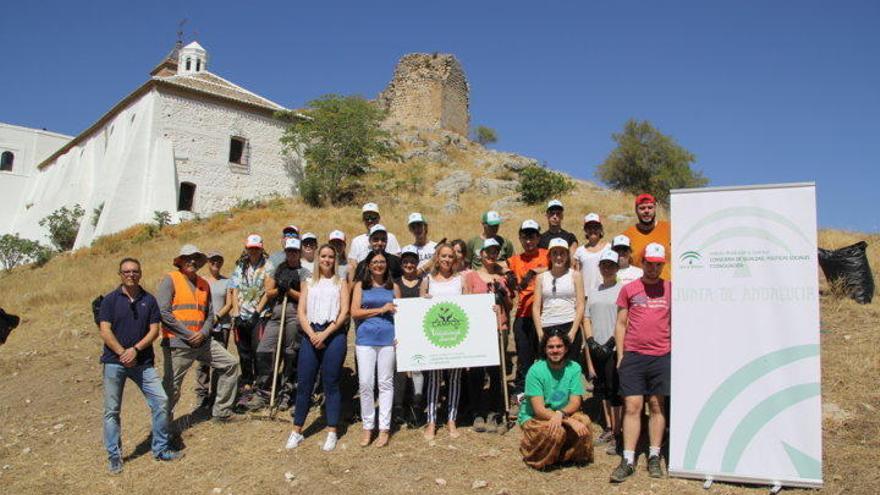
(51, 402)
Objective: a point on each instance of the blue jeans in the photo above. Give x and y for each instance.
(147, 379)
(330, 360)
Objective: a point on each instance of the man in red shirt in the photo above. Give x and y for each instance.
(643, 354)
(525, 267)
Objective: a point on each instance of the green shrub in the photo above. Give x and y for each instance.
(63, 225)
(145, 234)
(484, 135)
(162, 218)
(538, 184)
(15, 250)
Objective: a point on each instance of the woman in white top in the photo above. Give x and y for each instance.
(559, 299)
(323, 322)
(587, 256)
(627, 272)
(443, 281)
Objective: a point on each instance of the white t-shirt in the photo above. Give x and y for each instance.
(360, 246)
(628, 274)
(426, 252)
(590, 266)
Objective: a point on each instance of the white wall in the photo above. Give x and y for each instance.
(200, 133)
(30, 147)
(136, 161)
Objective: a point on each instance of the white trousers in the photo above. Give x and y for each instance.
(370, 359)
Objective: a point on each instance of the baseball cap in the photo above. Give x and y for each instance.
(655, 253)
(490, 242)
(336, 235)
(491, 217)
(592, 217)
(530, 225)
(555, 203)
(254, 240)
(214, 254)
(292, 243)
(620, 240)
(609, 255)
(409, 251)
(370, 207)
(645, 198)
(557, 242)
(290, 228)
(377, 228)
(416, 218)
(309, 236)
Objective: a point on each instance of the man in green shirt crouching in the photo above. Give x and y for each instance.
(554, 428)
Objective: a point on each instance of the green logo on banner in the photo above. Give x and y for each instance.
(445, 325)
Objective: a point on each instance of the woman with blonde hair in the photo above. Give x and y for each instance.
(323, 314)
(443, 281)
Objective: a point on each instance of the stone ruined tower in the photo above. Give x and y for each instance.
(428, 91)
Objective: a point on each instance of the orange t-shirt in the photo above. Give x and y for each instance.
(521, 264)
(661, 235)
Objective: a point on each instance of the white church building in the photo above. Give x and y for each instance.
(187, 142)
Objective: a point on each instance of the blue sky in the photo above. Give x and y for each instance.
(760, 92)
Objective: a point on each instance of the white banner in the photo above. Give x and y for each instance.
(446, 332)
(746, 397)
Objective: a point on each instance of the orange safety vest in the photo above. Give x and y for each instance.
(189, 307)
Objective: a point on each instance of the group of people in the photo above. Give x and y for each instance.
(597, 309)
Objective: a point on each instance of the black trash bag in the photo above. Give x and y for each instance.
(850, 266)
(96, 309)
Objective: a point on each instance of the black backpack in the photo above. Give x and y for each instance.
(96, 309)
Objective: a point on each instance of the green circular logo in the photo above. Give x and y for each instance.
(445, 324)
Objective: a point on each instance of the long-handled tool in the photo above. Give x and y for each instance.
(272, 407)
(503, 375)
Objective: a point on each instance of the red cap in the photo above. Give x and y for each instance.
(645, 198)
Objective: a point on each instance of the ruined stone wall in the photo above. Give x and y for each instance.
(428, 91)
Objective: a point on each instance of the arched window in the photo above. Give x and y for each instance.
(186, 196)
(6, 160)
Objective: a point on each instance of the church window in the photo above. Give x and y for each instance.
(6, 160)
(188, 63)
(186, 196)
(198, 64)
(237, 147)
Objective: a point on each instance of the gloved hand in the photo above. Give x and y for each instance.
(283, 285)
(610, 346)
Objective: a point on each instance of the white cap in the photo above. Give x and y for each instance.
(373, 207)
(416, 218)
(592, 217)
(378, 228)
(489, 243)
(336, 235)
(530, 225)
(655, 253)
(309, 235)
(557, 242)
(609, 255)
(409, 250)
(254, 240)
(555, 203)
(620, 240)
(292, 243)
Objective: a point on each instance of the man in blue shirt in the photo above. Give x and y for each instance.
(129, 321)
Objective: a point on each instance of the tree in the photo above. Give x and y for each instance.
(485, 135)
(14, 250)
(63, 225)
(338, 137)
(538, 184)
(646, 160)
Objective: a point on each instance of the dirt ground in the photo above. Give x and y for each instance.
(50, 438)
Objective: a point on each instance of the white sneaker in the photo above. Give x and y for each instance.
(330, 443)
(294, 440)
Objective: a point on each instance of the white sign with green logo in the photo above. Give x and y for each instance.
(746, 393)
(446, 332)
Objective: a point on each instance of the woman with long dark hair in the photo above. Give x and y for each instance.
(372, 305)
